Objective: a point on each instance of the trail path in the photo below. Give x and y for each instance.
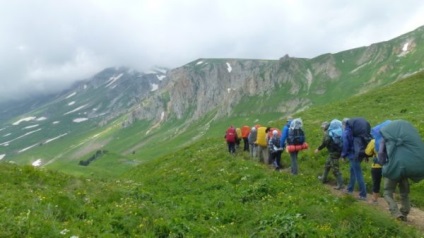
(415, 217)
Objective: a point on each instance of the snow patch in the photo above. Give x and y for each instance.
(55, 122)
(200, 62)
(78, 120)
(160, 77)
(41, 119)
(71, 103)
(29, 127)
(2, 156)
(405, 47)
(359, 67)
(36, 163)
(28, 133)
(162, 116)
(55, 138)
(71, 95)
(8, 134)
(23, 119)
(154, 87)
(113, 80)
(229, 67)
(27, 148)
(85, 86)
(76, 109)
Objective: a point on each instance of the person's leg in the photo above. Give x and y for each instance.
(336, 171)
(389, 189)
(404, 197)
(233, 146)
(327, 167)
(293, 158)
(352, 179)
(251, 150)
(260, 153)
(376, 181)
(359, 178)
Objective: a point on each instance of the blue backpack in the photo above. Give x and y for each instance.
(335, 132)
(296, 136)
(375, 133)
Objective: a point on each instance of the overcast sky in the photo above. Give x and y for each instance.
(47, 44)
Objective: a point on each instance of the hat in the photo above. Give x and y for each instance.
(289, 118)
(275, 132)
(253, 128)
(325, 125)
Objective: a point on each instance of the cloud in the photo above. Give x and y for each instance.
(46, 45)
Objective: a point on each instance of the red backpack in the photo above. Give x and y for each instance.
(230, 135)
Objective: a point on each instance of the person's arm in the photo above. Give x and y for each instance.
(345, 149)
(324, 143)
(369, 151)
(382, 153)
(285, 132)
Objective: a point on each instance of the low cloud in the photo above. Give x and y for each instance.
(46, 46)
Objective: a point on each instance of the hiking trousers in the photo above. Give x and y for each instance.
(293, 160)
(389, 189)
(332, 163)
(231, 147)
(263, 154)
(246, 144)
(376, 179)
(356, 176)
(253, 149)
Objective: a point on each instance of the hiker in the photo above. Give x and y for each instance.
(245, 130)
(390, 187)
(238, 138)
(262, 144)
(401, 153)
(376, 169)
(275, 150)
(356, 136)
(370, 151)
(252, 140)
(293, 134)
(334, 151)
(230, 137)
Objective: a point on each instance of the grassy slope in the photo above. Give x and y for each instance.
(200, 190)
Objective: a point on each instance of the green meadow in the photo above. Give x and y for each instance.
(188, 185)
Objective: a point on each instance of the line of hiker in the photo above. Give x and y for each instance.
(267, 144)
(395, 148)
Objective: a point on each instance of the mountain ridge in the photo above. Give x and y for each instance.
(214, 89)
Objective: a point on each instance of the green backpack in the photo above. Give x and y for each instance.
(405, 151)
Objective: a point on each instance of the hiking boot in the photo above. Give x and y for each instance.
(362, 198)
(321, 178)
(347, 192)
(401, 218)
(339, 187)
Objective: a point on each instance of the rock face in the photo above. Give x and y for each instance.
(220, 85)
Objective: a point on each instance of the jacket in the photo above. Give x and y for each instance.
(328, 143)
(347, 150)
(274, 144)
(371, 152)
(252, 137)
(284, 134)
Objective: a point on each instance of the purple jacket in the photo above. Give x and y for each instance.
(347, 150)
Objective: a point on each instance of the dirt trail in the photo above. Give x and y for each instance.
(415, 217)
